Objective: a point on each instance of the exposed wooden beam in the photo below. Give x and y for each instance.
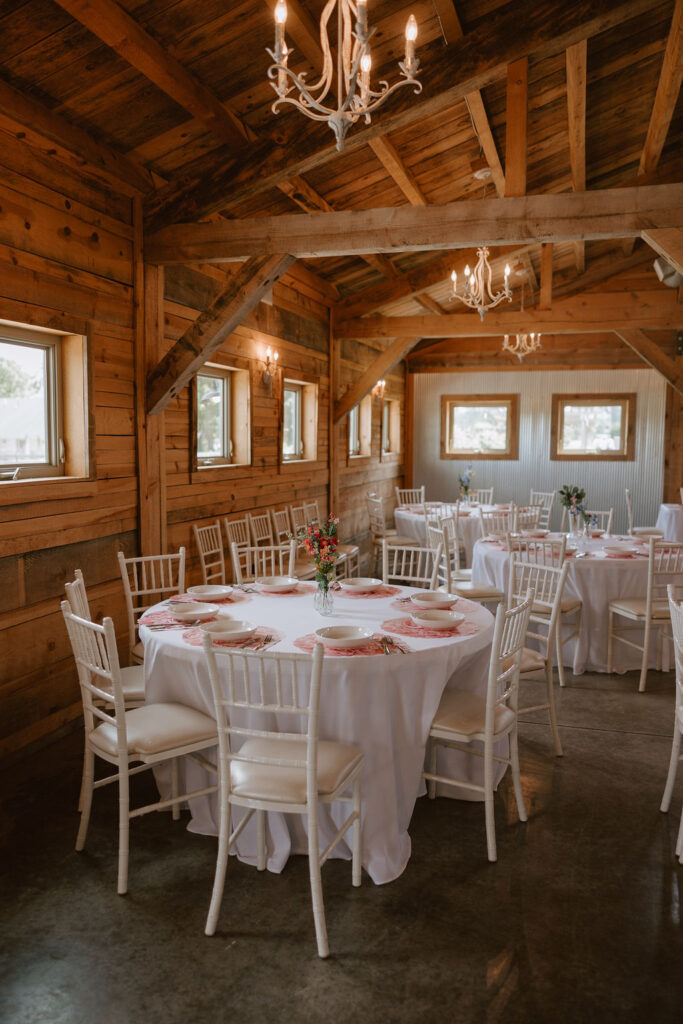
(669, 244)
(577, 61)
(652, 354)
(392, 163)
(115, 27)
(668, 88)
(586, 313)
(515, 128)
(242, 294)
(470, 63)
(69, 143)
(413, 283)
(615, 213)
(482, 127)
(382, 364)
(427, 302)
(546, 295)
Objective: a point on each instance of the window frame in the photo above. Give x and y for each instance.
(511, 452)
(628, 402)
(225, 376)
(71, 431)
(296, 388)
(391, 411)
(353, 432)
(239, 373)
(309, 386)
(363, 417)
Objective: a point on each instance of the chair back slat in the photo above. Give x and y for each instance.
(99, 673)
(147, 580)
(411, 566)
(675, 598)
(665, 568)
(77, 596)
(509, 636)
(527, 516)
(211, 556)
(546, 500)
(547, 583)
(282, 526)
(410, 495)
(538, 550)
(483, 495)
(272, 560)
(497, 521)
(375, 506)
(260, 528)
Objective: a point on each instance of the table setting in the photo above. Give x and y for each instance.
(384, 673)
(410, 522)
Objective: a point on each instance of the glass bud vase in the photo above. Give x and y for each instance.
(323, 602)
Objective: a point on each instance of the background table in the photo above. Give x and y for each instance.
(670, 522)
(384, 705)
(595, 579)
(410, 522)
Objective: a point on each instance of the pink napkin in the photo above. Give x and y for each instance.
(370, 649)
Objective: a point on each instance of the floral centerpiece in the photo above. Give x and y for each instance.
(573, 500)
(320, 540)
(465, 482)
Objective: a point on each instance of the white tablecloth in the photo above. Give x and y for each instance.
(384, 705)
(670, 522)
(411, 523)
(597, 581)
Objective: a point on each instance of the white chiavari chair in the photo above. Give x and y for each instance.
(547, 583)
(348, 554)
(237, 535)
(546, 499)
(288, 772)
(465, 720)
(410, 495)
(601, 520)
(482, 495)
(146, 581)
(270, 560)
(211, 557)
(144, 736)
(497, 522)
(676, 615)
(527, 517)
(379, 531)
(304, 566)
(261, 529)
(410, 566)
(665, 566)
(638, 531)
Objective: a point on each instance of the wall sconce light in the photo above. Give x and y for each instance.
(378, 390)
(270, 367)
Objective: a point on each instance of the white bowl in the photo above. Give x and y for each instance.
(344, 636)
(433, 599)
(276, 584)
(359, 584)
(229, 629)
(617, 551)
(188, 611)
(534, 534)
(437, 618)
(210, 591)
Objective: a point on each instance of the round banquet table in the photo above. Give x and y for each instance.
(670, 522)
(410, 522)
(597, 580)
(383, 704)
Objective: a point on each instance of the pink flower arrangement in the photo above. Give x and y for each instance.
(320, 541)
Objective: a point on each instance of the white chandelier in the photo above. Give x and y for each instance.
(522, 345)
(354, 96)
(478, 293)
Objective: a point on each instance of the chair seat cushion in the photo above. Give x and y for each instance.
(477, 590)
(567, 605)
(464, 714)
(133, 683)
(287, 785)
(634, 607)
(464, 575)
(157, 727)
(531, 661)
(646, 531)
(304, 567)
(348, 550)
(137, 653)
(397, 540)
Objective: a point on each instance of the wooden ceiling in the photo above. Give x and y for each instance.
(555, 97)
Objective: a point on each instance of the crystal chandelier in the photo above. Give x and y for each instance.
(354, 96)
(478, 293)
(522, 344)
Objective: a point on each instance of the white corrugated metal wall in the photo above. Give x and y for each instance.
(604, 482)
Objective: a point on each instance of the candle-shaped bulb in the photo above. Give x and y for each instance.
(454, 278)
(366, 63)
(507, 270)
(467, 270)
(411, 29)
(268, 354)
(471, 280)
(362, 14)
(411, 36)
(276, 356)
(280, 12)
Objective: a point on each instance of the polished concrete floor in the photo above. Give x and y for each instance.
(579, 921)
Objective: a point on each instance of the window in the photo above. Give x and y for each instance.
(391, 427)
(481, 426)
(299, 420)
(221, 401)
(360, 428)
(42, 404)
(593, 427)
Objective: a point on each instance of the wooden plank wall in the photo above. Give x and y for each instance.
(65, 263)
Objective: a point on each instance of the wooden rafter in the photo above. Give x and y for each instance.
(652, 354)
(668, 88)
(391, 161)
(378, 368)
(577, 61)
(477, 59)
(241, 295)
(615, 213)
(516, 128)
(546, 295)
(68, 142)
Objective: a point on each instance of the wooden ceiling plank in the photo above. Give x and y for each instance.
(479, 58)
(388, 156)
(115, 27)
(577, 64)
(602, 214)
(482, 126)
(381, 365)
(669, 244)
(242, 294)
(546, 294)
(75, 146)
(516, 128)
(652, 354)
(668, 88)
